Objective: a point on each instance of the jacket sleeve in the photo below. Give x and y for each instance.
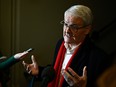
(8, 63)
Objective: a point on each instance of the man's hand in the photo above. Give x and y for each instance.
(31, 68)
(73, 79)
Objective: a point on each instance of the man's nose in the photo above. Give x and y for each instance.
(67, 28)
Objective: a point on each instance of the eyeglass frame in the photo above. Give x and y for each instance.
(72, 26)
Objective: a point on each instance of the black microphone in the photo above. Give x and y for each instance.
(47, 75)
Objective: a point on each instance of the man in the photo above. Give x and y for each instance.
(77, 61)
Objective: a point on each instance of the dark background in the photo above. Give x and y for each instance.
(36, 24)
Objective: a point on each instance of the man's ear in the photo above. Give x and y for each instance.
(88, 29)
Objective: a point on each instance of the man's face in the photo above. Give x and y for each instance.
(73, 30)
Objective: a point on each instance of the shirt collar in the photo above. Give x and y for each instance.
(71, 48)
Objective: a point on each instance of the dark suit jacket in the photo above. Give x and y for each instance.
(91, 56)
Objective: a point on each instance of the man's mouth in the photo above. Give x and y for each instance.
(68, 35)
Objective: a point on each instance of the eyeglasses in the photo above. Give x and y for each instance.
(72, 26)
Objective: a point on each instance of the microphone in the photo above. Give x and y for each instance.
(47, 75)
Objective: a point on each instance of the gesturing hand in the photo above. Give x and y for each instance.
(31, 68)
(73, 79)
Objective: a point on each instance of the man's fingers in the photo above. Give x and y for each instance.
(33, 59)
(84, 72)
(65, 74)
(73, 73)
(24, 64)
(29, 71)
(67, 77)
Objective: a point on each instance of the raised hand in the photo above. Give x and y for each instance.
(73, 79)
(31, 68)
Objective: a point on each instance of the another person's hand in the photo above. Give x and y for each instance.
(20, 55)
(31, 68)
(3, 57)
(73, 79)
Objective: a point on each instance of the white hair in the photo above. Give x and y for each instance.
(81, 11)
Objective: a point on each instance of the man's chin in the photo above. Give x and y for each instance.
(67, 41)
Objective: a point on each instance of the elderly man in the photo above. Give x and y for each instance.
(77, 61)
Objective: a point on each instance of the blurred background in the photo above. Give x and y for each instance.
(36, 24)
